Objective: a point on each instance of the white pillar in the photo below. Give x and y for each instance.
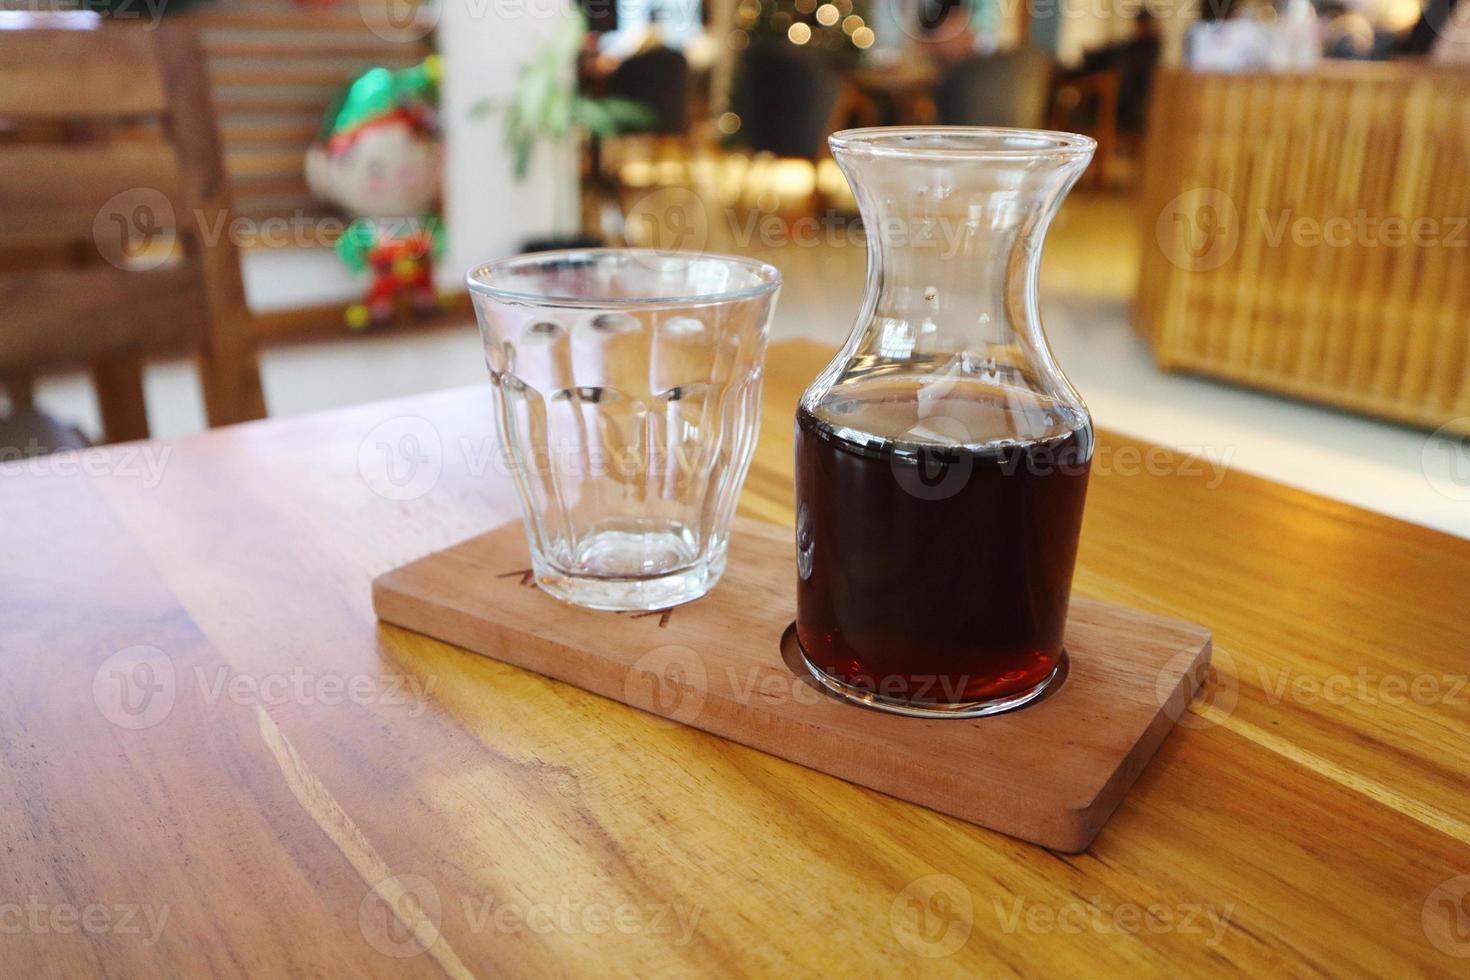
(487, 214)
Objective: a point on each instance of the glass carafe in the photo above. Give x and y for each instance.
(942, 457)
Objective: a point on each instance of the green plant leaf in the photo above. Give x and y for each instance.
(629, 113)
(547, 105)
(594, 117)
(559, 112)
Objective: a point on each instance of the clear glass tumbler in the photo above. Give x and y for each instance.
(627, 394)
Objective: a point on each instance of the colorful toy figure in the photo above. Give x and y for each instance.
(379, 159)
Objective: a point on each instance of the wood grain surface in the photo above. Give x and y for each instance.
(203, 728)
(729, 664)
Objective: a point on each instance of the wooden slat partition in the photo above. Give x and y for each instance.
(274, 68)
(1271, 260)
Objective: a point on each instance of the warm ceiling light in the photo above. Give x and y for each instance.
(863, 37)
(799, 33)
(1399, 15)
(852, 23)
(827, 15)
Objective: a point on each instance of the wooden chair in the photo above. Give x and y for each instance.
(786, 96)
(660, 79)
(790, 99)
(115, 218)
(1009, 88)
(1087, 103)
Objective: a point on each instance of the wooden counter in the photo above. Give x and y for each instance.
(1310, 234)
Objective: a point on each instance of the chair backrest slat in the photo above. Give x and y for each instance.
(52, 74)
(77, 315)
(57, 193)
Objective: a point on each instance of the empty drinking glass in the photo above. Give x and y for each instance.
(627, 394)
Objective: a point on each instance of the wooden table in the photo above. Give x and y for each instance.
(214, 761)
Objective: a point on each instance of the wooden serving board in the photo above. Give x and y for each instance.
(1050, 772)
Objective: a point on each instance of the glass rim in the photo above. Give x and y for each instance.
(969, 142)
(767, 275)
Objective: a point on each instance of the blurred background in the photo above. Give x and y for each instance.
(216, 210)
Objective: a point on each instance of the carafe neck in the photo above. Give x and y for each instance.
(955, 219)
